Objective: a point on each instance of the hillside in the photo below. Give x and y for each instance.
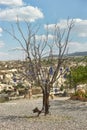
(70, 54)
(78, 54)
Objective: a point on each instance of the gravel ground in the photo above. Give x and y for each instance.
(65, 115)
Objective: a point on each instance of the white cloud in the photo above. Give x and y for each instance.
(4, 56)
(12, 2)
(77, 46)
(80, 21)
(11, 55)
(1, 31)
(43, 37)
(80, 26)
(1, 44)
(82, 34)
(28, 13)
(62, 24)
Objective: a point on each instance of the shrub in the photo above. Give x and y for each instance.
(79, 95)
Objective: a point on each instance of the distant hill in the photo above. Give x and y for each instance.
(78, 54)
(73, 54)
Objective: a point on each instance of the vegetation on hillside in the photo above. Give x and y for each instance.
(76, 75)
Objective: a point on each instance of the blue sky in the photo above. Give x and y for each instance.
(42, 12)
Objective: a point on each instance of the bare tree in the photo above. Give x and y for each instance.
(39, 47)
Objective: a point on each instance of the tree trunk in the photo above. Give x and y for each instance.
(75, 87)
(46, 100)
(45, 107)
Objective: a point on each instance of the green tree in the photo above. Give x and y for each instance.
(77, 75)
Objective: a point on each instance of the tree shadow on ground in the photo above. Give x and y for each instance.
(13, 118)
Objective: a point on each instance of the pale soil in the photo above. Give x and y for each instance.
(65, 115)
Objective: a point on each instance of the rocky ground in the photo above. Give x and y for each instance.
(65, 115)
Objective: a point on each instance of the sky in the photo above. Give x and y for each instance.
(42, 12)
